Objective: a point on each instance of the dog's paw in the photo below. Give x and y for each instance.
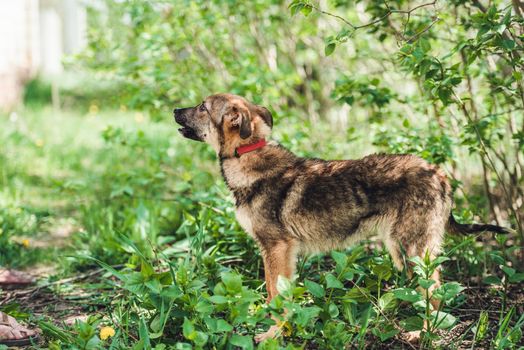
(272, 332)
(411, 337)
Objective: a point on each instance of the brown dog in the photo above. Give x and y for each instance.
(292, 205)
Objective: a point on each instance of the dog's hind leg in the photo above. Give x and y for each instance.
(418, 236)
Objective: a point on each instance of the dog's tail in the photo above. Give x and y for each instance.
(464, 229)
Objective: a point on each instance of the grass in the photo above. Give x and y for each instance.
(130, 227)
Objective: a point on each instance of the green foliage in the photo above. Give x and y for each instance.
(443, 82)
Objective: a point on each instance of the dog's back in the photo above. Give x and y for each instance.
(326, 205)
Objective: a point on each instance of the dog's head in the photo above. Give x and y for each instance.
(225, 121)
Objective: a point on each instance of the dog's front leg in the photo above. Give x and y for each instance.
(279, 260)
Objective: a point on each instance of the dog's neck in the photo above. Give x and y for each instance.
(262, 163)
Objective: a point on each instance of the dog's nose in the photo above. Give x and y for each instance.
(176, 113)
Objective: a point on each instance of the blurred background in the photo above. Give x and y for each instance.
(92, 167)
(36, 35)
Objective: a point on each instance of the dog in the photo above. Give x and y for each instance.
(292, 205)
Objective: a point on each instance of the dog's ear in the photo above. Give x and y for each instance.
(266, 115)
(242, 120)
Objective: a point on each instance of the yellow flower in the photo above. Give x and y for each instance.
(25, 243)
(106, 332)
(39, 143)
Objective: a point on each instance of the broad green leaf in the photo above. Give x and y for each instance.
(314, 288)
(144, 334)
(188, 330)
(232, 281)
(332, 282)
(443, 320)
(492, 280)
(340, 258)
(413, 323)
(425, 283)
(387, 302)
(154, 285)
(508, 270)
(241, 341)
(284, 286)
(407, 294)
(447, 291)
(218, 299)
(172, 292)
(333, 310)
(223, 326)
(517, 277)
(328, 50)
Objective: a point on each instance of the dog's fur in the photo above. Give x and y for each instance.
(292, 205)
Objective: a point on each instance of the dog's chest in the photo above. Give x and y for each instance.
(243, 215)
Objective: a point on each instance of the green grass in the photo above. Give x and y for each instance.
(139, 230)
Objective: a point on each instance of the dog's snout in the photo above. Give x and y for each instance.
(179, 115)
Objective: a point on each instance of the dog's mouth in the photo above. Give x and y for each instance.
(189, 133)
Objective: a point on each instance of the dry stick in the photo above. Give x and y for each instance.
(32, 291)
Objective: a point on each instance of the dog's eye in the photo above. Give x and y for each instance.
(202, 107)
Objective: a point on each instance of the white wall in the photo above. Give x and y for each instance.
(19, 57)
(34, 36)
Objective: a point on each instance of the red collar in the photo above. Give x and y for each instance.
(249, 148)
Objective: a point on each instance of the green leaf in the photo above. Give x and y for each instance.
(382, 271)
(146, 269)
(507, 17)
(508, 270)
(306, 10)
(223, 326)
(314, 288)
(447, 291)
(304, 315)
(407, 294)
(516, 278)
(340, 258)
(332, 282)
(481, 328)
(424, 44)
(328, 50)
(154, 285)
(172, 292)
(425, 283)
(232, 281)
(358, 294)
(200, 339)
(439, 260)
(188, 330)
(413, 323)
(387, 302)
(284, 286)
(203, 307)
(508, 44)
(333, 310)
(443, 320)
(218, 299)
(241, 341)
(144, 334)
